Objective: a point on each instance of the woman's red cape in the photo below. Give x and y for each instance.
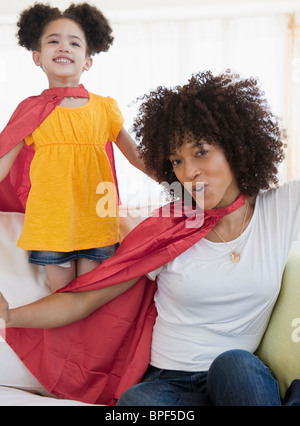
(96, 359)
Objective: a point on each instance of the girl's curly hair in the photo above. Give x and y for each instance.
(224, 110)
(33, 21)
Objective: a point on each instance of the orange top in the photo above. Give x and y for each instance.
(68, 203)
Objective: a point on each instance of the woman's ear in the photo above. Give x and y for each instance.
(88, 64)
(36, 56)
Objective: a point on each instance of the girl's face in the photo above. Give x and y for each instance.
(206, 171)
(63, 53)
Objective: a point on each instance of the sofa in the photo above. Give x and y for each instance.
(22, 283)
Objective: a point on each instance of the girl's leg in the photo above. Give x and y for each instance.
(85, 265)
(90, 259)
(60, 276)
(239, 378)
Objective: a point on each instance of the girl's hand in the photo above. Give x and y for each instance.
(131, 151)
(4, 312)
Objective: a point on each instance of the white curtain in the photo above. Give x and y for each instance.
(147, 53)
(292, 106)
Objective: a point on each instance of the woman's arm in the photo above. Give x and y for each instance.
(131, 151)
(8, 159)
(59, 309)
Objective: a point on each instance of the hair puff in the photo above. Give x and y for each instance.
(32, 22)
(96, 27)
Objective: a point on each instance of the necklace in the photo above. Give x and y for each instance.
(234, 255)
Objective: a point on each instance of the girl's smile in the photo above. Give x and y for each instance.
(63, 60)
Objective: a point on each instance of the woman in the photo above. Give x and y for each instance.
(217, 137)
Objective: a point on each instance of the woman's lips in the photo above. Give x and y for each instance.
(199, 188)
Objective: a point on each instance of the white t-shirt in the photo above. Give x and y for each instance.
(206, 304)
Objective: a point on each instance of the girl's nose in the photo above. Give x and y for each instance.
(64, 47)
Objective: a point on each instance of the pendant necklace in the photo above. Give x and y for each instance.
(234, 255)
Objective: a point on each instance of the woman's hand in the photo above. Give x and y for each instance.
(59, 309)
(4, 312)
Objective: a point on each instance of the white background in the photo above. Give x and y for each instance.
(160, 43)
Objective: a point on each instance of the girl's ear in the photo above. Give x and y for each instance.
(88, 64)
(36, 56)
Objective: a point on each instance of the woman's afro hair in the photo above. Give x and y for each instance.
(33, 21)
(225, 110)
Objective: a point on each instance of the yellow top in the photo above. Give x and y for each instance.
(64, 206)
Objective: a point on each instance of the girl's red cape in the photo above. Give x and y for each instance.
(29, 114)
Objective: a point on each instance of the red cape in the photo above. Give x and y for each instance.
(96, 359)
(29, 114)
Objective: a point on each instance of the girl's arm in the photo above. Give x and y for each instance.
(59, 309)
(131, 151)
(8, 159)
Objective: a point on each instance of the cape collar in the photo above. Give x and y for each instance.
(79, 92)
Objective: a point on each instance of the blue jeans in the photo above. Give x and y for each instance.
(99, 254)
(235, 378)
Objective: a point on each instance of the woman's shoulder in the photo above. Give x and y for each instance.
(285, 192)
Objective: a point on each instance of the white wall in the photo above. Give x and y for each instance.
(160, 43)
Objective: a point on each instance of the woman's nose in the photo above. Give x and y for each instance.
(192, 171)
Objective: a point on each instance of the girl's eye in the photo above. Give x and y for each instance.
(53, 42)
(75, 44)
(175, 162)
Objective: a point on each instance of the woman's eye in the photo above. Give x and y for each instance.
(175, 162)
(201, 152)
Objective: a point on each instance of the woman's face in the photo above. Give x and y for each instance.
(204, 171)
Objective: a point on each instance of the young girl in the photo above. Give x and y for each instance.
(62, 227)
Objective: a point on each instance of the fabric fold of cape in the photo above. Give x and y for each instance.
(29, 114)
(96, 359)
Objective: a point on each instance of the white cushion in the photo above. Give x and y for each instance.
(21, 283)
(11, 397)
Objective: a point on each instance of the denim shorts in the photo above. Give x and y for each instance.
(57, 258)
